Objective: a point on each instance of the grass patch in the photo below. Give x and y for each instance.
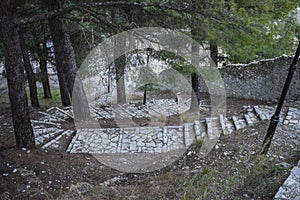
(49, 102)
(44, 103)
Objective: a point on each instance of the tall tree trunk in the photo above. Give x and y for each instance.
(195, 98)
(30, 74)
(80, 103)
(57, 32)
(15, 75)
(214, 52)
(42, 53)
(120, 63)
(145, 95)
(66, 62)
(63, 89)
(120, 78)
(64, 52)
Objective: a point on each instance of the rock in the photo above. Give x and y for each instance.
(285, 165)
(5, 174)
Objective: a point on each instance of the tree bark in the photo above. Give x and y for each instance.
(120, 60)
(58, 36)
(15, 75)
(30, 74)
(145, 95)
(63, 89)
(120, 78)
(195, 97)
(66, 63)
(214, 52)
(42, 53)
(80, 104)
(64, 52)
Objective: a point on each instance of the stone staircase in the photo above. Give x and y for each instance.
(50, 132)
(163, 139)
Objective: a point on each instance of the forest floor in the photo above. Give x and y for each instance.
(233, 170)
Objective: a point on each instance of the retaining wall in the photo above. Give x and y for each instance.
(261, 80)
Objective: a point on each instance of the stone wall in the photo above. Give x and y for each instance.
(261, 80)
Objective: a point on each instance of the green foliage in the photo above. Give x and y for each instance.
(246, 30)
(261, 30)
(176, 62)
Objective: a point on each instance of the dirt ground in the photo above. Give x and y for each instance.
(233, 170)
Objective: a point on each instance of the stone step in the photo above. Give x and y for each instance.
(214, 128)
(292, 117)
(150, 111)
(264, 112)
(57, 142)
(52, 118)
(229, 126)
(238, 123)
(290, 187)
(44, 135)
(119, 112)
(102, 113)
(65, 113)
(45, 122)
(222, 123)
(251, 117)
(137, 112)
(189, 134)
(200, 129)
(48, 130)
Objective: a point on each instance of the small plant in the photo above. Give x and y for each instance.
(161, 119)
(102, 106)
(198, 187)
(97, 192)
(135, 98)
(197, 145)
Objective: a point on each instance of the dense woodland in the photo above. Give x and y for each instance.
(244, 30)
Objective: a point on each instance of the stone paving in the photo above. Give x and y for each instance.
(292, 118)
(162, 139)
(133, 140)
(290, 190)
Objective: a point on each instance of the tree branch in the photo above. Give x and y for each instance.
(68, 9)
